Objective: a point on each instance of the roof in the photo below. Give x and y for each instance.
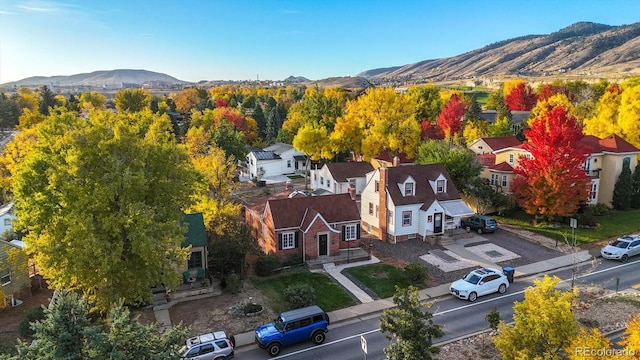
(517, 117)
(290, 213)
(196, 233)
(503, 166)
(265, 155)
(279, 148)
(343, 171)
(486, 159)
(299, 158)
(6, 208)
(456, 208)
(424, 193)
(611, 144)
(250, 148)
(497, 143)
(386, 157)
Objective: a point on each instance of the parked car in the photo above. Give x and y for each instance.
(479, 223)
(478, 283)
(622, 248)
(211, 346)
(292, 327)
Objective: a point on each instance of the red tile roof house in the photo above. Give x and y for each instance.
(322, 229)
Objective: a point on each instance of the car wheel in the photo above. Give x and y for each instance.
(318, 337)
(233, 340)
(274, 349)
(468, 228)
(473, 296)
(479, 230)
(624, 258)
(502, 288)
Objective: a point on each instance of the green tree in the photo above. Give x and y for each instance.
(635, 184)
(132, 100)
(47, 100)
(410, 329)
(623, 190)
(501, 127)
(543, 326)
(474, 110)
(232, 141)
(92, 101)
(9, 112)
(427, 101)
(258, 115)
(460, 163)
(101, 201)
(229, 250)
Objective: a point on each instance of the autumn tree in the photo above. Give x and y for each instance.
(27, 99)
(623, 190)
(132, 100)
(543, 326)
(585, 341)
(92, 101)
(604, 123)
(186, 100)
(631, 339)
(459, 161)
(428, 102)
(475, 129)
(410, 329)
(629, 113)
(101, 201)
(518, 95)
(451, 117)
(311, 140)
(552, 182)
(502, 126)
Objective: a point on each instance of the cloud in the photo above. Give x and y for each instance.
(42, 7)
(2, 12)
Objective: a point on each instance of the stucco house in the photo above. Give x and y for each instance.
(277, 159)
(15, 282)
(196, 237)
(411, 201)
(340, 178)
(315, 227)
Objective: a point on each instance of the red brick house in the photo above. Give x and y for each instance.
(312, 226)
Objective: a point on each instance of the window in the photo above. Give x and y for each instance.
(504, 180)
(408, 189)
(440, 186)
(352, 182)
(288, 240)
(511, 158)
(350, 232)
(5, 276)
(195, 260)
(377, 186)
(315, 176)
(626, 162)
(370, 208)
(7, 222)
(321, 180)
(494, 179)
(376, 210)
(587, 166)
(390, 217)
(288, 163)
(406, 218)
(594, 192)
(206, 349)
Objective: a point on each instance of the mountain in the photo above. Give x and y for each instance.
(106, 78)
(582, 49)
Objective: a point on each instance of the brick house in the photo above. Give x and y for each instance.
(311, 226)
(411, 201)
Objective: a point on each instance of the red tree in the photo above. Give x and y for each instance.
(429, 131)
(521, 98)
(450, 118)
(220, 102)
(553, 182)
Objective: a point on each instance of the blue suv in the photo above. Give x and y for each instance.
(292, 327)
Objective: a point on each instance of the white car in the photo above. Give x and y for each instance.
(478, 283)
(622, 249)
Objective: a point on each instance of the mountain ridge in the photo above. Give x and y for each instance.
(100, 78)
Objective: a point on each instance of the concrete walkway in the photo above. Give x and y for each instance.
(336, 273)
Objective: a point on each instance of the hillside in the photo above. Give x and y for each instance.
(582, 49)
(106, 78)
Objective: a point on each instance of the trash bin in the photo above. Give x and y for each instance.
(262, 183)
(509, 271)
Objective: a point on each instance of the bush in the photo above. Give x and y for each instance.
(493, 318)
(416, 273)
(590, 323)
(233, 284)
(600, 209)
(299, 295)
(293, 260)
(31, 315)
(266, 264)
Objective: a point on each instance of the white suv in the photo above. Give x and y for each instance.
(622, 249)
(212, 346)
(479, 282)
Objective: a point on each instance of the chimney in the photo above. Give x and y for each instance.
(396, 161)
(352, 192)
(382, 203)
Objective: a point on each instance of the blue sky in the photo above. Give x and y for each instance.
(268, 39)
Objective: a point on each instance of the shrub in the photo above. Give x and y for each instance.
(416, 273)
(233, 284)
(299, 295)
(293, 260)
(31, 315)
(493, 318)
(266, 264)
(600, 209)
(588, 322)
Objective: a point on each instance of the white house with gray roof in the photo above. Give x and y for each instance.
(277, 159)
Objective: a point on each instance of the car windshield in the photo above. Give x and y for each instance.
(620, 244)
(491, 222)
(278, 323)
(471, 278)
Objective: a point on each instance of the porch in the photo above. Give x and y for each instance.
(345, 256)
(185, 290)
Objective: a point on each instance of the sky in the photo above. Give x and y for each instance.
(195, 40)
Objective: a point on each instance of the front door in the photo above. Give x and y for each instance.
(437, 223)
(323, 244)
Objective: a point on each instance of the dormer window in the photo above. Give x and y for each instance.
(408, 189)
(440, 188)
(511, 157)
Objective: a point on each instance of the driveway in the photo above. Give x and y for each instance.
(411, 250)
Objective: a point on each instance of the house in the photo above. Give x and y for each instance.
(274, 160)
(339, 178)
(15, 282)
(606, 158)
(411, 201)
(196, 237)
(309, 226)
(488, 145)
(385, 159)
(6, 217)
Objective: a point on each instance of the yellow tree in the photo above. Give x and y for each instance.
(629, 113)
(92, 101)
(631, 340)
(186, 100)
(605, 121)
(347, 136)
(132, 100)
(27, 99)
(588, 344)
(474, 130)
(311, 140)
(543, 326)
(544, 106)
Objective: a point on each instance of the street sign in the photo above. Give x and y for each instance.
(363, 343)
(574, 223)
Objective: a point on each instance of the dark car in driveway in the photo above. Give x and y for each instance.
(479, 223)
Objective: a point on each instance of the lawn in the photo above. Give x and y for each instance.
(329, 295)
(294, 177)
(609, 227)
(381, 278)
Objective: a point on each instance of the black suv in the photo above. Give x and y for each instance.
(480, 223)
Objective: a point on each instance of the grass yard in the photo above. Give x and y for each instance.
(381, 278)
(609, 227)
(8, 343)
(294, 177)
(329, 295)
